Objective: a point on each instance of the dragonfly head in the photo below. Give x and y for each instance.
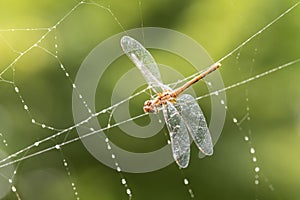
(149, 107)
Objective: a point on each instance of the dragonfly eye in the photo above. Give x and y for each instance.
(148, 107)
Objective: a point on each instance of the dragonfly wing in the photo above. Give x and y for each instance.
(144, 61)
(195, 123)
(179, 136)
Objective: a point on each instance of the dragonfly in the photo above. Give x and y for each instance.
(182, 114)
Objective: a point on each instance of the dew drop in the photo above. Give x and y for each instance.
(10, 180)
(106, 139)
(25, 107)
(13, 188)
(246, 138)
(73, 85)
(108, 146)
(222, 102)
(254, 159)
(256, 182)
(252, 150)
(36, 144)
(159, 121)
(191, 193)
(208, 83)
(169, 141)
(256, 169)
(113, 156)
(128, 191)
(17, 89)
(67, 74)
(123, 181)
(234, 120)
(186, 181)
(43, 126)
(92, 129)
(33, 121)
(118, 169)
(57, 146)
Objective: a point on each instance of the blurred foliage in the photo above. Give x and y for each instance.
(219, 27)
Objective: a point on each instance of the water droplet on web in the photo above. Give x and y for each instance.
(43, 126)
(113, 156)
(123, 181)
(254, 159)
(208, 83)
(106, 139)
(256, 169)
(92, 129)
(13, 188)
(159, 121)
(65, 163)
(191, 193)
(128, 191)
(246, 138)
(185, 181)
(33, 121)
(25, 107)
(234, 120)
(73, 85)
(222, 102)
(169, 141)
(57, 146)
(17, 89)
(252, 150)
(10, 180)
(118, 169)
(36, 144)
(256, 182)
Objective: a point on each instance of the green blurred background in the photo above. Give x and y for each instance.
(219, 26)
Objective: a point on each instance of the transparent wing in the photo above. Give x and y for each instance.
(195, 123)
(179, 136)
(144, 61)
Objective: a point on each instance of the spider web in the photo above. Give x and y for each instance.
(29, 138)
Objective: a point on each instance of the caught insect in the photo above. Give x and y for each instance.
(181, 111)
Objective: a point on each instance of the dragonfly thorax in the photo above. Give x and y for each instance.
(153, 106)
